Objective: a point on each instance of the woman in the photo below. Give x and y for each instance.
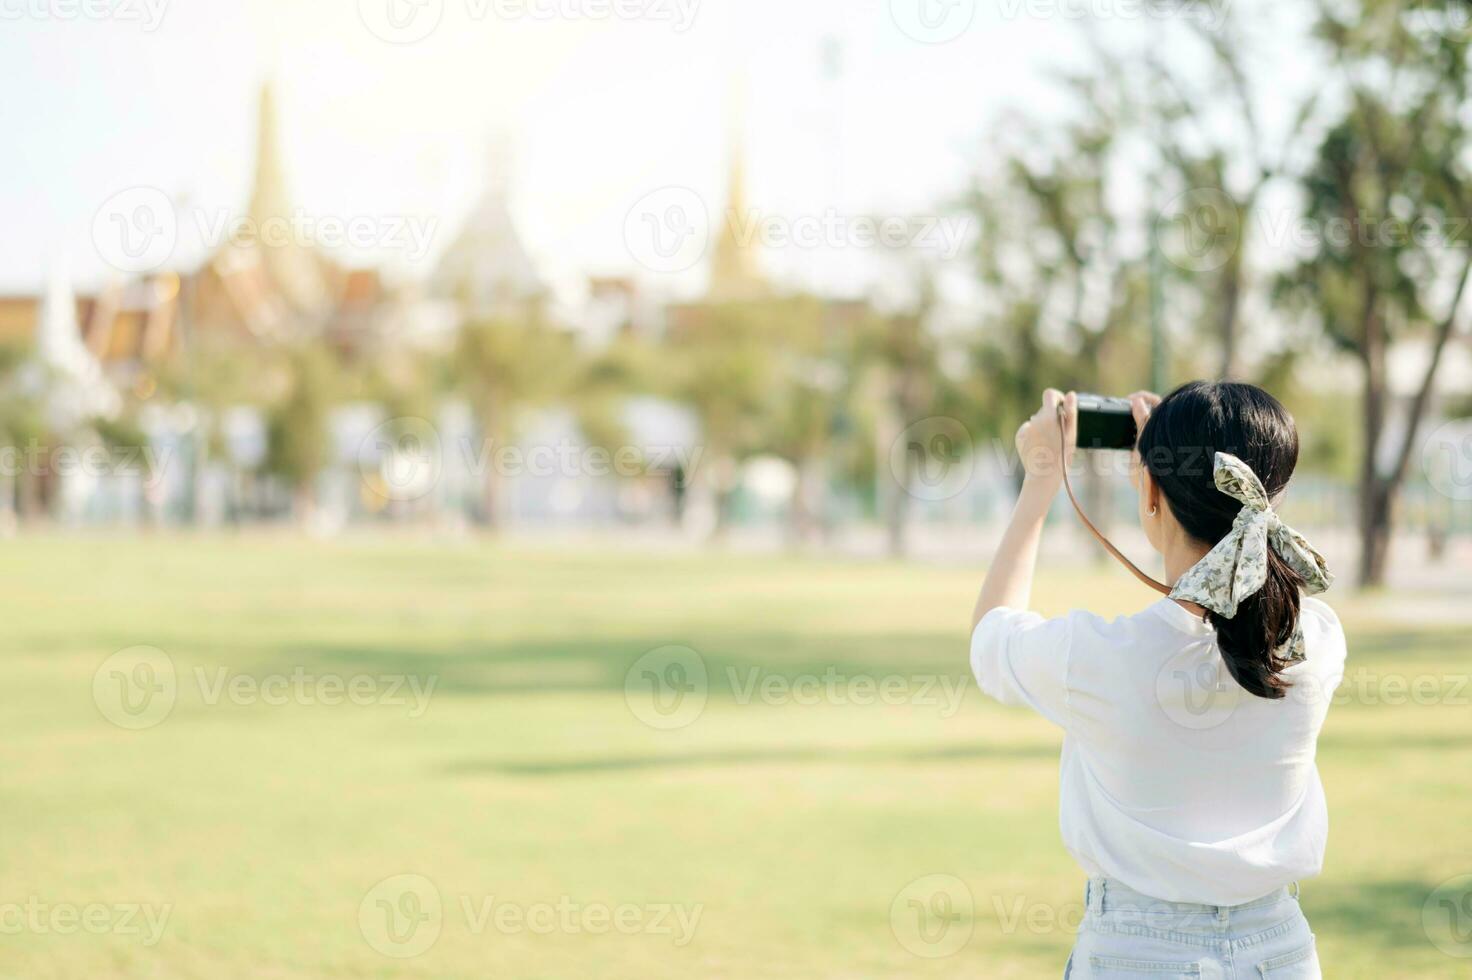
(1188, 791)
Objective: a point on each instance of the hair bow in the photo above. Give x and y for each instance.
(1238, 565)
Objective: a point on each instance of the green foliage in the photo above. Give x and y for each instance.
(722, 367)
(298, 442)
(604, 380)
(502, 366)
(1066, 300)
(407, 385)
(123, 438)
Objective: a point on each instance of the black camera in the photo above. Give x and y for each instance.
(1105, 423)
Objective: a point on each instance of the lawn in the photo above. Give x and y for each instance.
(311, 807)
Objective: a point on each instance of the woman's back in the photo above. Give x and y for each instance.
(1174, 780)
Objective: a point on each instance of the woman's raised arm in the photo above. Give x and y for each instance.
(1039, 445)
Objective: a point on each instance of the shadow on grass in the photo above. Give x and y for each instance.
(1385, 914)
(969, 752)
(732, 666)
(468, 667)
(1386, 647)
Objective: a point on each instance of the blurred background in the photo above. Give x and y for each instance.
(486, 349)
(692, 272)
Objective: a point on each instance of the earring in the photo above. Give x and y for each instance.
(1153, 509)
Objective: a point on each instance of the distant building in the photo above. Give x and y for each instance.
(281, 289)
(486, 273)
(247, 290)
(125, 326)
(615, 307)
(735, 269)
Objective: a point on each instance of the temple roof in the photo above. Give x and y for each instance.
(735, 272)
(486, 270)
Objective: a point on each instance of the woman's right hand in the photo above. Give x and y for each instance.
(1142, 403)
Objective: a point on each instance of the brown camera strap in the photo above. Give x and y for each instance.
(1160, 587)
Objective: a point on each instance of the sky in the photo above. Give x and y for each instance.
(393, 111)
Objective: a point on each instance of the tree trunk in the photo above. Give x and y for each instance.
(31, 496)
(1231, 299)
(7, 506)
(897, 518)
(1375, 534)
(1372, 508)
(723, 496)
(896, 494)
(891, 489)
(304, 502)
(803, 516)
(725, 505)
(490, 497)
(1233, 284)
(489, 417)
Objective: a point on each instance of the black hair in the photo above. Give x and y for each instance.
(1177, 446)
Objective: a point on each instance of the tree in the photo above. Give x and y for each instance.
(811, 364)
(1064, 289)
(298, 439)
(504, 366)
(214, 376)
(1388, 189)
(909, 361)
(603, 381)
(1221, 177)
(23, 429)
(408, 385)
(722, 369)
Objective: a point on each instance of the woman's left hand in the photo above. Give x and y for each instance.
(1041, 443)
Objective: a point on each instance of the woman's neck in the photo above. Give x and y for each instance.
(1179, 558)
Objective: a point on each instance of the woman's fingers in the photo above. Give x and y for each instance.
(1140, 407)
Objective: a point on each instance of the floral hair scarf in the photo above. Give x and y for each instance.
(1238, 565)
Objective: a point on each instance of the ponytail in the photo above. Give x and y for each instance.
(1264, 624)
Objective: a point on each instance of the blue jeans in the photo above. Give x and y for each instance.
(1126, 934)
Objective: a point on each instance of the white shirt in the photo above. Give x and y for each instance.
(1175, 781)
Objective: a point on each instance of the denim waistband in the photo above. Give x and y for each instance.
(1105, 894)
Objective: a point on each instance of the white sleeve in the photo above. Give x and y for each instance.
(1019, 657)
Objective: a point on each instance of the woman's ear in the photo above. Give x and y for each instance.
(1149, 492)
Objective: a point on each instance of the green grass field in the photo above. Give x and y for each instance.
(563, 836)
